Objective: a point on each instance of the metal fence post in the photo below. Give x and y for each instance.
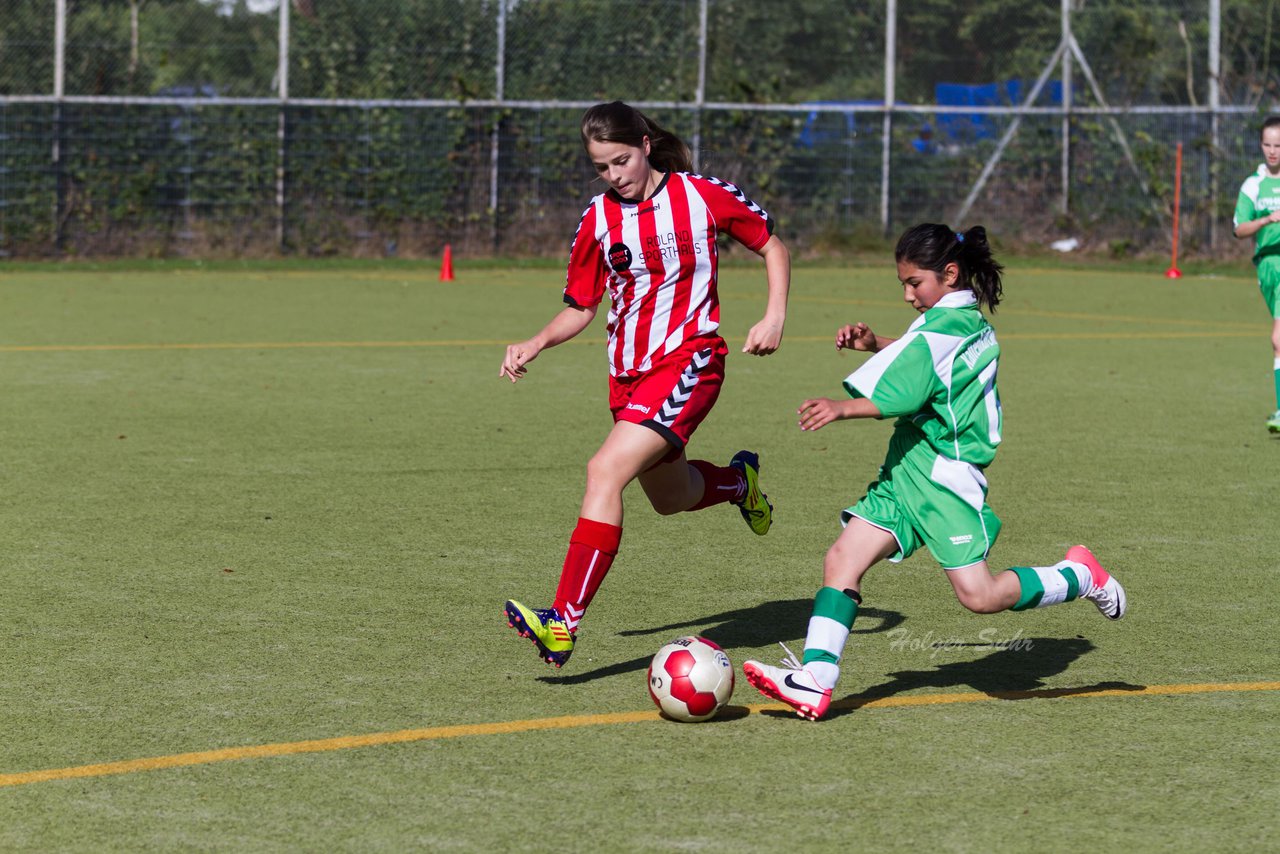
(495, 142)
(1067, 96)
(282, 137)
(890, 60)
(700, 94)
(59, 130)
(1215, 94)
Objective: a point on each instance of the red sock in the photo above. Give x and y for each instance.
(592, 548)
(719, 484)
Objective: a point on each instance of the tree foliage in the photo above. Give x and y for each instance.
(799, 51)
(362, 169)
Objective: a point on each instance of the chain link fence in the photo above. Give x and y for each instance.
(379, 127)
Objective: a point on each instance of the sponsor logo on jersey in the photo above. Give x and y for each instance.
(638, 407)
(636, 211)
(961, 539)
(619, 257)
(984, 343)
(669, 246)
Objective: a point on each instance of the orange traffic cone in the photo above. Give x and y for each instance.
(446, 265)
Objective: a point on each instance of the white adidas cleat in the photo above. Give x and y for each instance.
(792, 684)
(1106, 592)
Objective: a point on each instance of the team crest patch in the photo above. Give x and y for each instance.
(619, 257)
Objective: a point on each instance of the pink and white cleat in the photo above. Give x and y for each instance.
(1106, 592)
(793, 685)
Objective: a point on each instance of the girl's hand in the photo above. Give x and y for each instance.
(857, 336)
(764, 338)
(819, 412)
(518, 355)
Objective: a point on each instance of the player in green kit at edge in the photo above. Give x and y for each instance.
(939, 381)
(1258, 216)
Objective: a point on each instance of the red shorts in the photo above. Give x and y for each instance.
(674, 395)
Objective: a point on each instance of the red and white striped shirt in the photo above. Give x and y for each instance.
(657, 259)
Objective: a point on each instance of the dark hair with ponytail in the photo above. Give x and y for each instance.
(619, 122)
(932, 247)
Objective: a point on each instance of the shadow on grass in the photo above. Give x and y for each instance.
(750, 627)
(1016, 673)
(726, 714)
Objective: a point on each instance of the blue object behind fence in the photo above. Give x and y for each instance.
(830, 127)
(968, 126)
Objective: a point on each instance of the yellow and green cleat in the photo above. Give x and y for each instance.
(755, 508)
(544, 626)
(1273, 423)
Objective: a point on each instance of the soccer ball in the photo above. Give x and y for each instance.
(690, 679)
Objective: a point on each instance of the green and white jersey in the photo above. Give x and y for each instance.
(1259, 196)
(940, 379)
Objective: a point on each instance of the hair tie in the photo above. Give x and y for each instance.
(959, 237)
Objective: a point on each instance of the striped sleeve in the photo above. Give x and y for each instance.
(587, 275)
(734, 213)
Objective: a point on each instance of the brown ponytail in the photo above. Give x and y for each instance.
(619, 122)
(932, 247)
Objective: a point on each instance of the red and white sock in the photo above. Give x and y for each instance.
(719, 484)
(592, 548)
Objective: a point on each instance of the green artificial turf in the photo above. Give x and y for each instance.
(261, 505)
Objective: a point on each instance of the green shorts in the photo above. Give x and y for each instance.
(922, 498)
(1269, 283)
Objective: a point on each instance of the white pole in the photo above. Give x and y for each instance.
(59, 90)
(1067, 96)
(700, 95)
(1215, 98)
(282, 91)
(59, 48)
(499, 71)
(890, 57)
(282, 59)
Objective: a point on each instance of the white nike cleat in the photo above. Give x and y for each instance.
(1106, 592)
(794, 686)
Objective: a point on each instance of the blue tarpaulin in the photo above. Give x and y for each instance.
(1010, 93)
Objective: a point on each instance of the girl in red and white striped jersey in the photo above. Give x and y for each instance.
(649, 242)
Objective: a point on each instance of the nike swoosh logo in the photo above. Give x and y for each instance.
(791, 683)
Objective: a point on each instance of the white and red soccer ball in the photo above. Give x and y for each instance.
(690, 679)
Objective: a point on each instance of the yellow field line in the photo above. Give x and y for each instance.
(319, 345)
(264, 751)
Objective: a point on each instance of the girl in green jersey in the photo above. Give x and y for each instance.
(939, 381)
(1258, 216)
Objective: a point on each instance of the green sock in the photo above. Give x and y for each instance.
(1278, 385)
(833, 614)
(1043, 586)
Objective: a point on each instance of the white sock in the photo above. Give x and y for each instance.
(828, 636)
(824, 673)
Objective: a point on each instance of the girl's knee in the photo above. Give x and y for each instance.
(840, 570)
(602, 474)
(666, 504)
(979, 602)
(834, 559)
